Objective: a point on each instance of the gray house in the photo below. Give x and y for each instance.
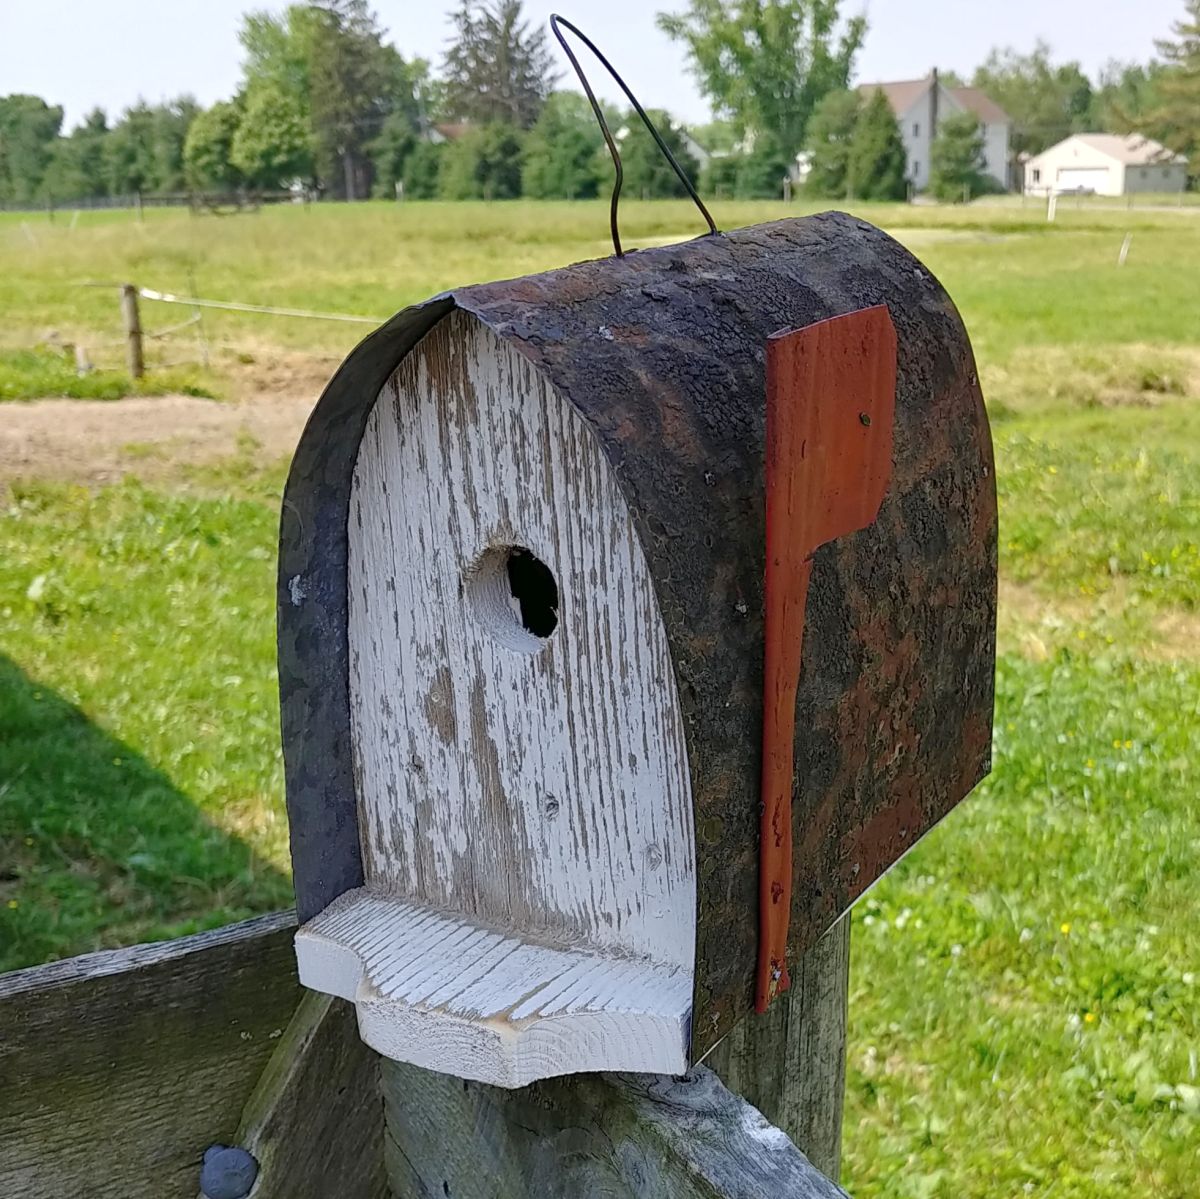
(920, 104)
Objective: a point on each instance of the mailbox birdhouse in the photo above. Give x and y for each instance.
(633, 619)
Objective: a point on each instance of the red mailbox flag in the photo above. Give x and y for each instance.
(831, 394)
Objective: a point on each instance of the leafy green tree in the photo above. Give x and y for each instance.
(761, 170)
(483, 164)
(1125, 96)
(207, 153)
(647, 173)
(271, 147)
(718, 176)
(830, 134)
(956, 158)
(560, 151)
(876, 165)
(169, 129)
(1176, 116)
(389, 152)
(129, 151)
(329, 59)
(28, 130)
(498, 69)
(279, 52)
(422, 170)
(1045, 102)
(766, 64)
(76, 169)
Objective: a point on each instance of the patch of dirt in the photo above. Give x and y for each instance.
(1037, 625)
(99, 441)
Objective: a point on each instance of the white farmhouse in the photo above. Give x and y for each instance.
(920, 104)
(1106, 164)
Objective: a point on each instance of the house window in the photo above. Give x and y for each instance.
(916, 128)
(1037, 175)
(916, 168)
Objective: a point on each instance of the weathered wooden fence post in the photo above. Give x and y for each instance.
(790, 1062)
(131, 318)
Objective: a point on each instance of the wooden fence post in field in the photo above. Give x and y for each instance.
(133, 330)
(790, 1062)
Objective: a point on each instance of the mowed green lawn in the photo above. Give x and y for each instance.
(1025, 1014)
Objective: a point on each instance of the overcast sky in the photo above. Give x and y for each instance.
(79, 53)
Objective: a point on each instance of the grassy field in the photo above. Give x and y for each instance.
(1026, 984)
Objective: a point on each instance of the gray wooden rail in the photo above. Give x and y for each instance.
(119, 1069)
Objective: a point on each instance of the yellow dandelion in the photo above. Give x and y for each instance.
(1065, 928)
(1090, 764)
(1089, 1017)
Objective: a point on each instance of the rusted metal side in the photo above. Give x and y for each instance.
(663, 353)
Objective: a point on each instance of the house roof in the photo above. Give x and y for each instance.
(904, 93)
(901, 95)
(1132, 149)
(976, 100)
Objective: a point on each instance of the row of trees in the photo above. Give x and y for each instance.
(325, 99)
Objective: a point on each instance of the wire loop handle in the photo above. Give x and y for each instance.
(555, 22)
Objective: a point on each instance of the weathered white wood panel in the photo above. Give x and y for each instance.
(447, 994)
(519, 753)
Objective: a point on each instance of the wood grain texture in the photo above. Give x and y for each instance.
(314, 1122)
(118, 1069)
(831, 399)
(612, 1136)
(536, 786)
(445, 993)
(542, 790)
(790, 1062)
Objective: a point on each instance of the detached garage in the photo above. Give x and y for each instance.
(1107, 165)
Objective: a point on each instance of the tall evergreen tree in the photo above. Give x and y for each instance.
(1176, 118)
(498, 70)
(345, 81)
(876, 164)
(829, 137)
(956, 158)
(766, 64)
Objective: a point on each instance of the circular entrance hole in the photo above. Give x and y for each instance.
(513, 595)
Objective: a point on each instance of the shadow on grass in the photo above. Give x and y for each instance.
(98, 847)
